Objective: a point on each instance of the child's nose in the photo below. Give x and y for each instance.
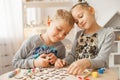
(80, 22)
(61, 35)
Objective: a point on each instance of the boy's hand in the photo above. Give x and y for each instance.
(59, 63)
(43, 55)
(78, 67)
(52, 58)
(41, 62)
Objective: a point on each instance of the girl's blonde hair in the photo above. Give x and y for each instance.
(64, 15)
(83, 3)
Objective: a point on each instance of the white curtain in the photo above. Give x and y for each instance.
(11, 30)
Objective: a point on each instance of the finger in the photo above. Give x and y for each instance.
(43, 55)
(45, 60)
(59, 62)
(52, 62)
(46, 64)
(63, 62)
(80, 71)
(51, 59)
(75, 71)
(72, 70)
(69, 68)
(50, 54)
(59, 65)
(47, 57)
(53, 56)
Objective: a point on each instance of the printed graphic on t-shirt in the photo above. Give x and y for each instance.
(44, 49)
(86, 46)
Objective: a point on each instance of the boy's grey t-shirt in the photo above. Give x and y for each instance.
(23, 57)
(105, 38)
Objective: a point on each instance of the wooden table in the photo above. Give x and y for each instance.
(108, 75)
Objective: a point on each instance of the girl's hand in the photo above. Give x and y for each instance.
(78, 67)
(52, 58)
(59, 63)
(41, 62)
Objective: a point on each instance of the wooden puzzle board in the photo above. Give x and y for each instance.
(47, 74)
(57, 74)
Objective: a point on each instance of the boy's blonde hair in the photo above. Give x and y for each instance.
(64, 15)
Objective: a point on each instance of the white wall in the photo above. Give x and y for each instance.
(105, 9)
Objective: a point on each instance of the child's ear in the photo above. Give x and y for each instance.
(91, 9)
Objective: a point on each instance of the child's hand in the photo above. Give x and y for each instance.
(43, 55)
(59, 63)
(52, 58)
(78, 67)
(41, 62)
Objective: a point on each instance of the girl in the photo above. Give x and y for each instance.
(44, 49)
(92, 44)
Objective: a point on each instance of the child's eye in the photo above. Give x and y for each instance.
(58, 29)
(81, 16)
